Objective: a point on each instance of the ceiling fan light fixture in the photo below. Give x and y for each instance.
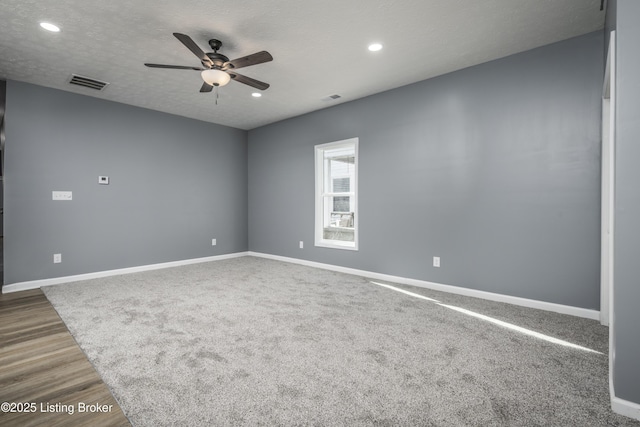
(215, 77)
(256, 94)
(375, 47)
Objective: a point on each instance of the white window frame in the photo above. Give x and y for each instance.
(320, 195)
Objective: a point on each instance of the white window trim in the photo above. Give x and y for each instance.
(319, 166)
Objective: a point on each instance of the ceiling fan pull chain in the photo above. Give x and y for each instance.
(216, 88)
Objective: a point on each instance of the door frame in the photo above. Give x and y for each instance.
(607, 303)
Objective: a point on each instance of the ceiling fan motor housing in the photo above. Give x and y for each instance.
(217, 59)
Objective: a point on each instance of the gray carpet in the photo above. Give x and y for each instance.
(250, 341)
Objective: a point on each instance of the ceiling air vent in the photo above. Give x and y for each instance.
(331, 97)
(87, 82)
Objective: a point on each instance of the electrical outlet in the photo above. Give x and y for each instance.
(104, 180)
(213, 242)
(62, 195)
(57, 258)
(301, 244)
(436, 261)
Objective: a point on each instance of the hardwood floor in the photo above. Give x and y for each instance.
(42, 366)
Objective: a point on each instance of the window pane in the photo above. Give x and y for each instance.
(342, 166)
(333, 153)
(342, 234)
(339, 169)
(341, 185)
(338, 225)
(341, 204)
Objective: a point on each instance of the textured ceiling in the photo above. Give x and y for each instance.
(319, 47)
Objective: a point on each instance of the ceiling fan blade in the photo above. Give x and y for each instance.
(248, 81)
(245, 61)
(192, 46)
(206, 87)
(175, 67)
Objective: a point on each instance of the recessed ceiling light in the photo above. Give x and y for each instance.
(50, 27)
(256, 94)
(375, 47)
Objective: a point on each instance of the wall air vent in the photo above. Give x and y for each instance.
(331, 97)
(87, 82)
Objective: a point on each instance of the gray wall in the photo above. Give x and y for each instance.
(175, 184)
(627, 202)
(494, 168)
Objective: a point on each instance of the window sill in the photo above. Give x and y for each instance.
(333, 244)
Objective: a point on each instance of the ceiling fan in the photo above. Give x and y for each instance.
(218, 70)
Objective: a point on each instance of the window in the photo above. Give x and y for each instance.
(337, 194)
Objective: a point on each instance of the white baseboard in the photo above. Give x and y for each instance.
(35, 284)
(626, 408)
(524, 302)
